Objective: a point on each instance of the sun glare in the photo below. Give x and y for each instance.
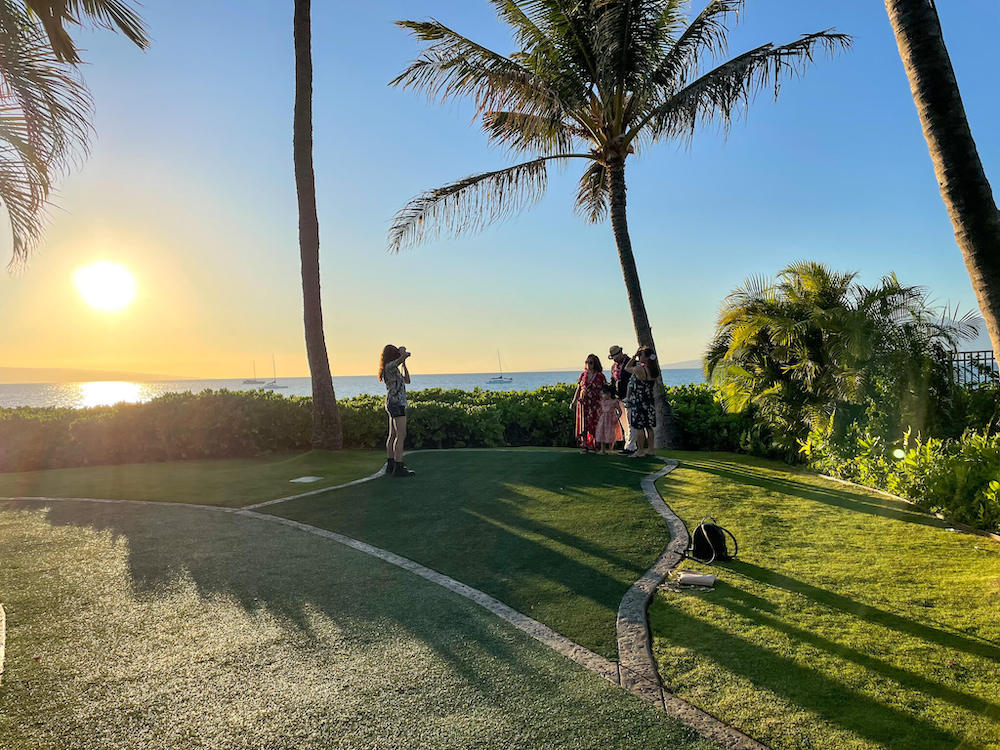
(105, 286)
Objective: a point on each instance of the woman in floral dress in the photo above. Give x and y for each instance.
(640, 399)
(587, 403)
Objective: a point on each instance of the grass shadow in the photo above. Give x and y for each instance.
(840, 498)
(827, 698)
(948, 639)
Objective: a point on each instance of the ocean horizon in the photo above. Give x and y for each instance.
(82, 395)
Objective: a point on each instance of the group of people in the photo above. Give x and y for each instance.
(622, 408)
(606, 411)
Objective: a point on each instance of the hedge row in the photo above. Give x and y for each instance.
(225, 424)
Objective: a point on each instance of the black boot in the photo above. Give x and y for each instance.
(390, 465)
(401, 471)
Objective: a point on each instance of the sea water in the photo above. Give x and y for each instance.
(102, 393)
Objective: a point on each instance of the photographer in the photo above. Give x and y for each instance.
(393, 358)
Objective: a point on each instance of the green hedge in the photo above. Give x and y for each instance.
(224, 424)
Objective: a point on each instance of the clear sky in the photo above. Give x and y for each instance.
(190, 186)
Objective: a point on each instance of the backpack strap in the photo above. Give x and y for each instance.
(701, 528)
(736, 545)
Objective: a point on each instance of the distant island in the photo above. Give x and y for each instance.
(69, 375)
(687, 364)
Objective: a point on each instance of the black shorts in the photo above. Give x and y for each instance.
(396, 410)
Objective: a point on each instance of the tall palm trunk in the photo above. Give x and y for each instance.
(964, 187)
(327, 432)
(643, 331)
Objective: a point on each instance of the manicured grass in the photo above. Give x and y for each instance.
(174, 628)
(849, 620)
(229, 482)
(554, 534)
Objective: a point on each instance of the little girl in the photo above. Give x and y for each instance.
(609, 426)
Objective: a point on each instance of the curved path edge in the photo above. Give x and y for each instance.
(636, 670)
(635, 643)
(3, 639)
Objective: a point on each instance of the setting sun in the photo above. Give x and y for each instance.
(105, 286)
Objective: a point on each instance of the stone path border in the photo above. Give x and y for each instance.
(3, 639)
(635, 642)
(634, 671)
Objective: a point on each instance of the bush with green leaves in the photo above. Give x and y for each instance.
(814, 348)
(227, 424)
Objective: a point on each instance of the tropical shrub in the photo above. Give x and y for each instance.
(702, 424)
(815, 349)
(224, 424)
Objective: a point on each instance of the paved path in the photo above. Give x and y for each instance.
(636, 669)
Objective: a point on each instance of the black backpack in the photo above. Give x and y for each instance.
(708, 543)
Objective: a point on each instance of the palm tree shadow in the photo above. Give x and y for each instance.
(292, 576)
(840, 498)
(931, 633)
(764, 613)
(828, 698)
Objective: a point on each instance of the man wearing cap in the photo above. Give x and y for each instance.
(619, 380)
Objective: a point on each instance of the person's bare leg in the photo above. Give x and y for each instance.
(390, 441)
(640, 439)
(399, 423)
(650, 443)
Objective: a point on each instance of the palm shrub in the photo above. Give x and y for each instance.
(596, 81)
(817, 353)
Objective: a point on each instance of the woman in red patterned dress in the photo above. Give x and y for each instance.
(587, 402)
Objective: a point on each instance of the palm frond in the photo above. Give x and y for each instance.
(569, 21)
(725, 91)
(521, 132)
(471, 203)
(115, 15)
(44, 124)
(707, 34)
(594, 196)
(454, 66)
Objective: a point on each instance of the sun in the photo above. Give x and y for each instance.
(105, 286)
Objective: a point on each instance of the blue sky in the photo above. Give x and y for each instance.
(190, 184)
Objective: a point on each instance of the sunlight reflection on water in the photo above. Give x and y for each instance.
(81, 395)
(107, 393)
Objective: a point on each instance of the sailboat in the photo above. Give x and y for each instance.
(273, 383)
(500, 378)
(253, 380)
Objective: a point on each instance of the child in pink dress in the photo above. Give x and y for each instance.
(609, 426)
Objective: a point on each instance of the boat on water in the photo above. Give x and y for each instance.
(273, 384)
(500, 378)
(254, 380)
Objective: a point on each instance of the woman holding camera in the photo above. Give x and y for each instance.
(393, 358)
(640, 399)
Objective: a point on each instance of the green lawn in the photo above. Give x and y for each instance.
(849, 621)
(556, 535)
(176, 628)
(232, 483)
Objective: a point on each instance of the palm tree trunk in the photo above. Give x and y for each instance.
(643, 332)
(327, 432)
(964, 187)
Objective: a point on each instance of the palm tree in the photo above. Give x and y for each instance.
(327, 432)
(46, 108)
(802, 347)
(54, 15)
(966, 192)
(596, 80)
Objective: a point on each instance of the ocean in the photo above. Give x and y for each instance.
(103, 393)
